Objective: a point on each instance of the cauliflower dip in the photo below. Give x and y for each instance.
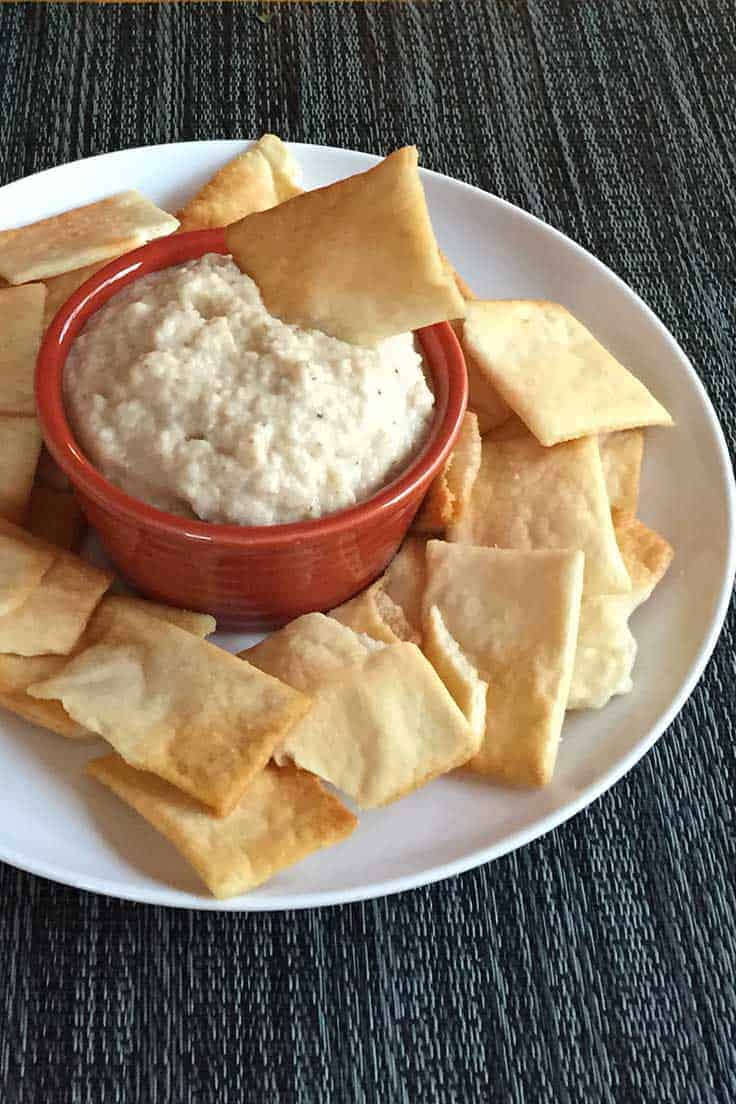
(186, 393)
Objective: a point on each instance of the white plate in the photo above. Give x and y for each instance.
(55, 822)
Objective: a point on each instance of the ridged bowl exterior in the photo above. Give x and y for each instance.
(247, 577)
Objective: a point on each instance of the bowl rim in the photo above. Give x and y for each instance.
(437, 339)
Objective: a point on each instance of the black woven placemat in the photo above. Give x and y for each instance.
(598, 963)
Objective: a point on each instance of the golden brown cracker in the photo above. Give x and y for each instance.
(553, 373)
(283, 816)
(357, 259)
(514, 614)
(530, 497)
(170, 703)
(383, 728)
(53, 617)
(81, 237)
(256, 180)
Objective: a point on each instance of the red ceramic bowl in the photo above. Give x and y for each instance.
(247, 577)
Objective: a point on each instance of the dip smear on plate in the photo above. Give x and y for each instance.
(186, 393)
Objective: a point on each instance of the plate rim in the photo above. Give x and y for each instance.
(162, 896)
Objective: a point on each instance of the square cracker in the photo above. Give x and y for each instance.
(553, 373)
(55, 614)
(170, 703)
(606, 647)
(308, 651)
(74, 239)
(283, 816)
(21, 315)
(256, 180)
(530, 497)
(357, 259)
(22, 566)
(383, 728)
(621, 456)
(515, 616)
(54, 516)
(17, 673)
(20, 445)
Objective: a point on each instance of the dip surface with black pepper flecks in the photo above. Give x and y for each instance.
(186, 393)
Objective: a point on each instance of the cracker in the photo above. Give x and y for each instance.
(373, 612)
(20, 445)
(74, 239)
(553, 373)
(448, 497)
(284, 815)
(21, 313)
(22, 566)
(56, 612)
(621, 456)
(17, 673)
(606, 648)
(308, 651)
(515, 615)
(62, 287)
(357, 260)
(170, 703)
(199, 624)
(405, 579)
(256, 180)
(383, 728)
(456, 671)
(54, 516)
(530, 497)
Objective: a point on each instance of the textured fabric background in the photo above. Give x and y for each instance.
(598, 963)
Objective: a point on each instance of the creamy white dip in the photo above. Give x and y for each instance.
(187, 394)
